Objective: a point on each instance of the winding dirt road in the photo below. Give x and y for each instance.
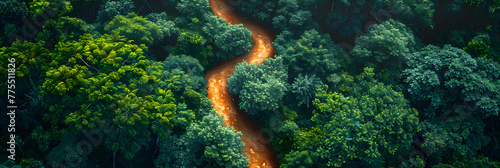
(257, 144)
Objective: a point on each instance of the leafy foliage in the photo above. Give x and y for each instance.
(385, 45)
(479, 46)
(312, 53)
(114, 8)
(192, 43)
(11, 14)
(232, 40)
(443, 77)
(348, 16)
(167, 26)
(63, 29)
(93, 80)
(289, 16)
(194, 8)
(134, 27)
(373, 121)
(207, 143)
(268, 79)
(305, 87)
(300, 159)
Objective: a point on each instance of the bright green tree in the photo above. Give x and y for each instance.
(97, 79)
(134, 27)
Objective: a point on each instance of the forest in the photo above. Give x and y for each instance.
(349, 83)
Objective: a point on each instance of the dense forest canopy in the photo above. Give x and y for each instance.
(381, 83)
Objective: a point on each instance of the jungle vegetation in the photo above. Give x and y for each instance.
(382, 83)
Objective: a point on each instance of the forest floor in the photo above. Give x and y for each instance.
(257, 144)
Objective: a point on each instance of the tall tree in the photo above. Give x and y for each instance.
(386, 45)
(268, 79)
(371, 122)
(207, 143)
(313, 53)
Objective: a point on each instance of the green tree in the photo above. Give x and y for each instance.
(167, 26)
(304, 88)
(135, 28)
(312, 53)
(192, 69)
(97, 79)
(386, 45)
(479, 46)
(207, 143)
(11, 19)
(234, 40)
(300, 159)
(347, 16)
(193, 43)
(269, 79)
(374, 121)
(441, 78)
(193, 8)
(230, 40)
(289, 17)
(113, 8)
(456, 93)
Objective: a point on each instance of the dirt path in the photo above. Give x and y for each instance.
(258, 147)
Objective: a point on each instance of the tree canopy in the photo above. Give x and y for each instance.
(269, 79)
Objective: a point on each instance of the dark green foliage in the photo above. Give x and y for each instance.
(268, 79)
(45, 139)
(194, 8)
(113, 8)
(134, 27)
(263, 10)
(304, 88)
(455, 93)
(174, 153)
(191, 68)
(233, 40)
(69, 154)
(312, 53)
(300, 159)
(63, 29)
(348, 16)
(386, 45)
(290, 17)
(475, 162)
(207, 143)
(25, 163)
(443, 77)
(373, 121)
(462, 134)
(11, 14)
(167, 26)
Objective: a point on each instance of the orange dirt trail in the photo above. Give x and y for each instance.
(257, 144)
